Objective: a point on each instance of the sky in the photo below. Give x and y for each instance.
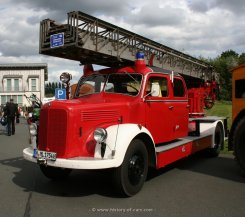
(197, 27)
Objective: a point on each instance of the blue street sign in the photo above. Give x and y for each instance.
(60, 94)
(57, 40)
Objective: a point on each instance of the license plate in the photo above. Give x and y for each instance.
(46, 155)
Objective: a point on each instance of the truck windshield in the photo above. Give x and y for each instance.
(123, 83)
(90, 85)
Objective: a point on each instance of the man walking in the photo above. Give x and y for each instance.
(11, 110)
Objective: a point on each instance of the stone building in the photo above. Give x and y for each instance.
(18, 80)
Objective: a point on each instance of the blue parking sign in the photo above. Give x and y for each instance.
(57, 40)
(60, 94)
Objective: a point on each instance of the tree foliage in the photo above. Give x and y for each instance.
(223, 65)
(241, 59)
(50, 88)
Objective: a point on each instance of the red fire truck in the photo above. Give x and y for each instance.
(130, 116)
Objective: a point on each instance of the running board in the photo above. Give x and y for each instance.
(179, 142)
(167, 154)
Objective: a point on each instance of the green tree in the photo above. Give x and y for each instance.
(48, 90)
(241, 59)
(53, 85)
(223, 65)
(229, 53)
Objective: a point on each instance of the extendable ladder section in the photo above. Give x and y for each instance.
(90, 40)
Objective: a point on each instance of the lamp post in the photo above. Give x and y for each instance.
(65, 78)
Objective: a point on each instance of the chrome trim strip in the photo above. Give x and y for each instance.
(164, 100)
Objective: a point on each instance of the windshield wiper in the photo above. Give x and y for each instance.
(132, 77)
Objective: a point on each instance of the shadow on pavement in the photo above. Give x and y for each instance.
(3, 131)
(86, 182)
(79, 183)
(224, 167)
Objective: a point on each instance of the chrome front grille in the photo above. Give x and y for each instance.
(53, 130)
(99, 115)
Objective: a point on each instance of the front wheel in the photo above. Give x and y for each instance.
(55, 173)
(131, 175)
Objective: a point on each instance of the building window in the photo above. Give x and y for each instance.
(20, 100)
(9, 85)
(17, 99)
(3, 100)
(33, 84)
(8, 98)
(14, 97)
(16, 85)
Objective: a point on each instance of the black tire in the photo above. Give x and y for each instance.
(55, 173)
(131, 175)
(239, 143)
(218, 141)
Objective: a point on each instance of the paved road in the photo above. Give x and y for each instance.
(193, 187)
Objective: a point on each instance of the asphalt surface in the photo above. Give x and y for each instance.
(194, 187)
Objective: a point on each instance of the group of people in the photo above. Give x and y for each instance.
(11, 115)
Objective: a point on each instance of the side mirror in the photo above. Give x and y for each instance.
(155, 89)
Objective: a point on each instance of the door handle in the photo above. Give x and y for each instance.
(171, 107)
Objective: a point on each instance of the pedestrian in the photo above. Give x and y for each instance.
(5, 118)
(18, 116)
(11, 111)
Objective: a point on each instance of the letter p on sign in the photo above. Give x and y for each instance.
(60, 94)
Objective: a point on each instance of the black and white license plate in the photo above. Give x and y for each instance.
(45, 155)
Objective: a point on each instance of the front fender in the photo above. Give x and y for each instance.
(118, 139)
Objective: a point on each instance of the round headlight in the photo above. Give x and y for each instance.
(33, 130)
(100, 135)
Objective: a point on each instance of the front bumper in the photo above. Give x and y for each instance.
(74, 163)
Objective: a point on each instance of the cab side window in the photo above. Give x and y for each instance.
(162, 82)
(240, 88)
(179, 90)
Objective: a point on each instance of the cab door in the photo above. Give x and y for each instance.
(158, 109)
(180, 108)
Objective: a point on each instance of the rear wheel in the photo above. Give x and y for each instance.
(55, 173)
(239, 143)
(218, 141)
(131, 175)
